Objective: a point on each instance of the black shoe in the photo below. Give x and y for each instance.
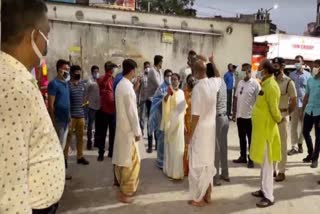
(250, 164)
(100, 158)
(68, 177)
(240, 160)
(264, 203)
(89, 146)
(293, 152)
(300, 150)
(149, 150)
(225, 178)
(258, 194)
(281, 177)
(275, 174)
(83, 161)
(216, 182)
(308, 159)
(314, 164)
(319, 182)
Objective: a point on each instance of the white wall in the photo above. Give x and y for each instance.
(103, 43)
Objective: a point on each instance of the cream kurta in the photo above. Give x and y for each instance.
(202, 147)
(173, 124)
(127, 125)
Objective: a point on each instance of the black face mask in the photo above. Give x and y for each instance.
(277, 72)
(76, 76)
(65, 75)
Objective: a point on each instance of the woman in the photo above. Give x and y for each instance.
(266, 145)
(156, 116)
(187, 120)
(174, 108)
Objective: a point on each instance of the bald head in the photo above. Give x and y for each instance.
(200, 67)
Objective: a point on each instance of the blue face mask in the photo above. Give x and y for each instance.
(168, 80)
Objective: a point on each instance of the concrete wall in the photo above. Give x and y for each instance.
(101, 42)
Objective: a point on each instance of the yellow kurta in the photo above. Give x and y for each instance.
(265, 118)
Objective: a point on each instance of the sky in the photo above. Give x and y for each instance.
(291, 16)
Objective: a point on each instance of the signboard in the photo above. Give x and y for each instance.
(116, 4)
(289, 46)
(167, 37)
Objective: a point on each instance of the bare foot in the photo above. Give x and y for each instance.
(125, 199)
(197, 204)
(207, 197)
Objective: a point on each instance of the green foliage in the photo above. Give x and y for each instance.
(174, 7)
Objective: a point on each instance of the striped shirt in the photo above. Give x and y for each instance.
(77, 93)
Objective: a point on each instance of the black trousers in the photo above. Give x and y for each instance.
(229, 101)
(150, 137)
(50, 210)
(310, 122)
(103, 122)
(244, 132)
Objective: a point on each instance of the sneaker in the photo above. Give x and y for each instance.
(314, 164)
(307, 159)
(100, 158)
(250, 164)
(83, 161)
(240, 160)
(293, 152)
(280, 177)
(300, 150)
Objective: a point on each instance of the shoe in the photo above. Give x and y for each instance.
(258, 194)
(149, 151)
(293, 152)
(264, 203)
(319, 182)
(300, 150)
(68, 177)
(275, 174)
(281, 177)
(100, 158)
(83, 161)
(89, 146)
(307, 159)
(240, 160)
(216, 182)
(250, 164)
(225, 178)
(314, 164)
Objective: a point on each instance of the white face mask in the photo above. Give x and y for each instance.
(298, 66)
(315, 71)
(35, 47)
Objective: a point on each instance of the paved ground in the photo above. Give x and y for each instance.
(91, 189)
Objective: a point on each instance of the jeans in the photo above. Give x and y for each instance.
(150, 137)
(229, 101)
(104, 121)
(309, 122)
(50, 210)
(61, 129)
(91, 119)
(77, 125)
(244, 132)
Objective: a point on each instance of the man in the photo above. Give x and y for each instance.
(222, 128)
(311, 107)
(32, 172)
(288, 103)
(300, 78)
(142, 98)
(93, 100)
(105, 117)
(77, 94)
(229, 79)
(128, 133)
(202, 137)
(245, 97)
(186, 70)
(155, 78)
(59, 102)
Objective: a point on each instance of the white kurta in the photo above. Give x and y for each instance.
(127, 123)
(202, 147)
(173, 120)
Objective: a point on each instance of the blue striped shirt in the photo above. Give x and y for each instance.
(77, 93)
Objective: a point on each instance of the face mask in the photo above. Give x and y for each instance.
(35, 47)
(277, 72)
(315, 71)
(298, 66)
(134, 80)
(96, 76)
(66, 75)
(76, 77)
(168, 80)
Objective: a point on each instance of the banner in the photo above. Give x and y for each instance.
(115, 4)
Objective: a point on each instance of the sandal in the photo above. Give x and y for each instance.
(197, 204)
(258, 194)
(264, 203)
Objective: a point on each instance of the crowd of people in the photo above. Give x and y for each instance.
(187, 116)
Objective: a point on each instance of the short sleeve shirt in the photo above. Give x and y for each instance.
(60, 90)
(313, 91)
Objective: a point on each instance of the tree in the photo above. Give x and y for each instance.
(175, 7)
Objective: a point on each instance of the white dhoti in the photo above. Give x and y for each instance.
(267, 177)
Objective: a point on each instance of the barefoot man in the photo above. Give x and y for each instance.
(125, 155)
(202, 137)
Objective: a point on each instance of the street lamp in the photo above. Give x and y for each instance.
(266, 17)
